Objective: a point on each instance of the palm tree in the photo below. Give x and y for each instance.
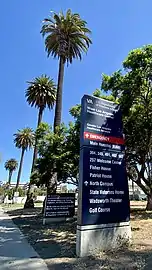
(40, 93)
(11, 165)
(66, 38)
(23, 139)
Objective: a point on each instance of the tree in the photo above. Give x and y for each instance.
(51, 149)
(24, 140)
(2, 191)
(65, 155)
(11, 165)
(66, 38)
(132, 87)
(40, 93)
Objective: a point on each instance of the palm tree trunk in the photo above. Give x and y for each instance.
(20, 169)
(58, 112)
(58, 107)
(9, 177)
(35, 147)
(27, 205)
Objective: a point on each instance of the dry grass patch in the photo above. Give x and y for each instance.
(55, 243)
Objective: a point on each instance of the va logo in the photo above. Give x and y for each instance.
(89, 100)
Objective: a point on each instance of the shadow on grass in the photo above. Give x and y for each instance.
(140, 214)
(55, 243)
(26, 212)
(50, 240)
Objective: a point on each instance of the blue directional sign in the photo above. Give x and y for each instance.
(100, 121)
(103, 190)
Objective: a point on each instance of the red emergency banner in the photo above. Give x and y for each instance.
(102, 138)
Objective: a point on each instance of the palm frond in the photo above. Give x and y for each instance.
(24, 138)
(66, 36)
(11, 164)
(41, 92)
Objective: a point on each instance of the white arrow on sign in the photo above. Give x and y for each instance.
(86, 183)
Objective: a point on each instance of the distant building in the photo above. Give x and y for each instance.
(135, 190)
(21, 185)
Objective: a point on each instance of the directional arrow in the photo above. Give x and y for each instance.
(86, 183)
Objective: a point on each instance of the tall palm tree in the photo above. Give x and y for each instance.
(40, 93)
(11, 165)
(66, 38)
(24, 140)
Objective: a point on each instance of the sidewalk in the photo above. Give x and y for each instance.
(15, 252)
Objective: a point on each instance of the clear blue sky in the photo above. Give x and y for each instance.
(117, 27)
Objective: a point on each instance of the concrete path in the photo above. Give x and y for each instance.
(15, 252)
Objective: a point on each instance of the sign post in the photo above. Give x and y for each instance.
(59, 207)
(103, 207)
